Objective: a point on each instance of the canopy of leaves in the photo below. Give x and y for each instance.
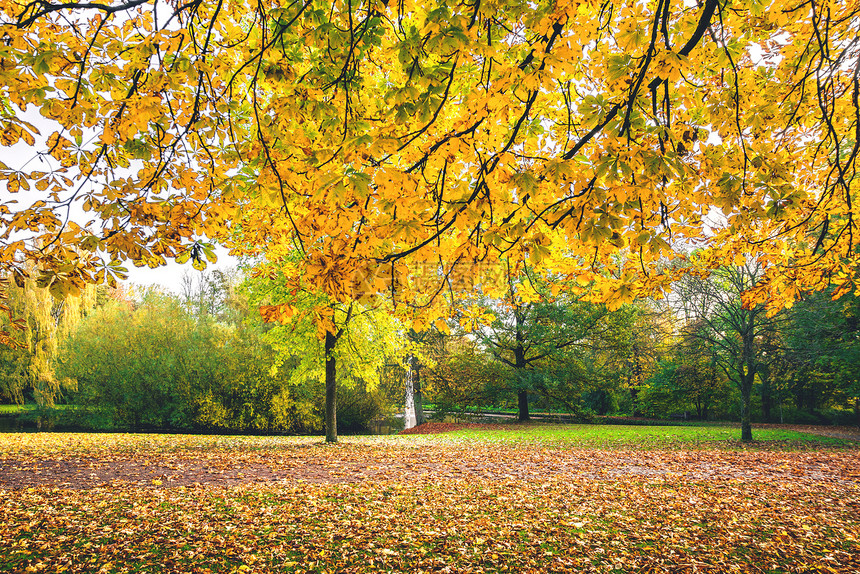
(390, 141)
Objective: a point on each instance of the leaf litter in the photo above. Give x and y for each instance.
(162, 503)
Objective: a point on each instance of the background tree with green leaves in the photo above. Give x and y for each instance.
(537, 334)
(688, 379)
(717, 315)
(819, 352)
(340, 344)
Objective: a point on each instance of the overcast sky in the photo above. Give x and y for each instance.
(169, 276)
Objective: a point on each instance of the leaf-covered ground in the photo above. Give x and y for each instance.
(433, 503)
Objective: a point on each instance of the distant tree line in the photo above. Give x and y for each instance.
(204, 360)
(702, 353)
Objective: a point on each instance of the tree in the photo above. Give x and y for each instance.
(633, 339)
(212, 294)
(532, 329)
(14, 371)
(414, 390)
(612, 128)
(820, 351)
(697, 377)
(139, 367)
(717, 316)
(461, 372)
(43, 323)
(688, 377)
(322, 334)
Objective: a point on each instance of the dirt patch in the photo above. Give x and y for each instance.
(94, 472)
(84, 461)
(360, 462)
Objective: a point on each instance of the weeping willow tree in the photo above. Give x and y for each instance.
(44, 321)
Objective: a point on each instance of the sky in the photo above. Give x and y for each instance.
(25, 157)
(169, 277)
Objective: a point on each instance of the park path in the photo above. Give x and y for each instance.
(356, 460)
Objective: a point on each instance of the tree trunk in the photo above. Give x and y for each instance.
(634, 399)
(857, 410)
(420, 419)
(523, 405)
(747, 371)
(409, 418)
(746, 392)
(330, 388)
(520, 364)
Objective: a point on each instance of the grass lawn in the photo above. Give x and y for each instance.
(510, 499)
(686, 436)
(16, 409)
(29, 408)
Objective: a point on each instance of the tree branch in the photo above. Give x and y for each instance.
(41, 8)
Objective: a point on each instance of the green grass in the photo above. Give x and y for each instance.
(613, 436)
(16, 409)
(30, 408)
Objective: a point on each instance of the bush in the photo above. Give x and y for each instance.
(840, 417)
(84, 417)
(357, 407)
(818, 417)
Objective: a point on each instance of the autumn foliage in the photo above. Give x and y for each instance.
(373, 138)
